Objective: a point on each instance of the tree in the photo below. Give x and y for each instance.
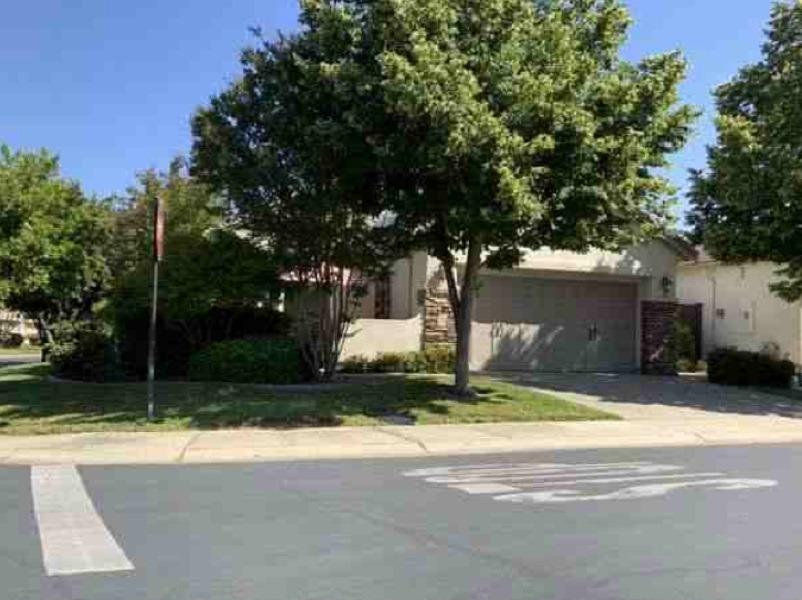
(53, 241)
(497, 126)
(748, 204)
(302, 183)
(211, 274)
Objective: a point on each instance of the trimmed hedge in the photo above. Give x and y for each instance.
(275, 361)
(84, 351)
(174, 349)
(728, 366)
(434, 359)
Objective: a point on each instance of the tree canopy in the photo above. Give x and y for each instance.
(302, 181)
(747, 205)
(483, 128)
(53, 240)
(208, 266)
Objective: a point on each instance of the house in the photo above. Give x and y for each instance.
(556, 311)
(738, 309)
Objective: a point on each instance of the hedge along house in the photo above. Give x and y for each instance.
(557, 311)
(738, 308)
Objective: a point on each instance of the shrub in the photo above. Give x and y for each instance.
(440, 358)
(248, 361)
(434, 359)
(84, 351)
(358, 363)
(11, 340)
(175, 346)
(685, 342)
(686, 366)
(729, 366)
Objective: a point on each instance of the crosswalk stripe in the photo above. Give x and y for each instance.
(73, 536)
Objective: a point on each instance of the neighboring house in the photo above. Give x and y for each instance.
(738, 308)
(557, 311)
(13, 322)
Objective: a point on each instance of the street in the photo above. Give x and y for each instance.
(603, 524)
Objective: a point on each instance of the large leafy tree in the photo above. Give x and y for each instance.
(53, 241)
(497, 126)
(212, 274)
(302, 181)
(748, 204)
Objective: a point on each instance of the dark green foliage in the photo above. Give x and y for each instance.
(685, 342)
(737, 367)
(84, 351)
(175, 346)
(248, 361)
(747, 204)
(435, 359)
(54, 241)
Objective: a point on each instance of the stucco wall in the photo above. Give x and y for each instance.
(752, 315)
(649, 263)
(371, 336)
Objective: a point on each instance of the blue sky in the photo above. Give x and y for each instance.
(110, 85)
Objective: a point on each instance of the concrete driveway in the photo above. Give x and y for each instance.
(650, 398)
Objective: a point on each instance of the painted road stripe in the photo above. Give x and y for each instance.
(490, 488)
(74, 538)
(556, 475)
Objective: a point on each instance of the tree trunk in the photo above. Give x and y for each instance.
(462, 298)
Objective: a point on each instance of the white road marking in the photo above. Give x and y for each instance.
(490, 488)
(502, 469)
(485, 488)
(557, 474)
(73, 536)
(507, 482)
(638, 491)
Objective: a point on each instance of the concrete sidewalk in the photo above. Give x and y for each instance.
(389, 441)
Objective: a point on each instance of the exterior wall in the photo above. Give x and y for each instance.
(649, 262)
(369, 337)
(752, 315)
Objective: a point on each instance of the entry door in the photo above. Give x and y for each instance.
(527, 323)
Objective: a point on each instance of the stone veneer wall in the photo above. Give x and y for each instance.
(438, 323)
(657, 328)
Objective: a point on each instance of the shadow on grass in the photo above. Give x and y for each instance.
(30, 403)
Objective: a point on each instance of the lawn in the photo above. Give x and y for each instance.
(32, 404)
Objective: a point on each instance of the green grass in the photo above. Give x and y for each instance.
(32, 404)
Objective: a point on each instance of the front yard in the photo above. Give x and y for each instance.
(32, 404)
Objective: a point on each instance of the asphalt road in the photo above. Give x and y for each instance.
(586, 525)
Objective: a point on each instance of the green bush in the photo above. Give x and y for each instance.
(434, 359)
(440, 358)
(685, 342)
(174, 347)
(84, 351)
(686, 366)
(248, 361)
(729, 366)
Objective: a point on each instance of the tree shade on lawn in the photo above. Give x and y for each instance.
(482, 129)
(32, 404)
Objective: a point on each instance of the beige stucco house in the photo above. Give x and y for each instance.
(738, 308)
(557, 311)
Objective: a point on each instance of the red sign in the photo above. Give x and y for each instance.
(158, 230)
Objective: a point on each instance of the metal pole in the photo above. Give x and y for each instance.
(152, 343)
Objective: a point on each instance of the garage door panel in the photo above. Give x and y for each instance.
(546, 324)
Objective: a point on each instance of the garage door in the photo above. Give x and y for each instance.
(526, 323)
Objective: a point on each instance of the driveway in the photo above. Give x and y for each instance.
(650, 398)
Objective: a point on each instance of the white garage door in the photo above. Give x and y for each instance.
(526, 323)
